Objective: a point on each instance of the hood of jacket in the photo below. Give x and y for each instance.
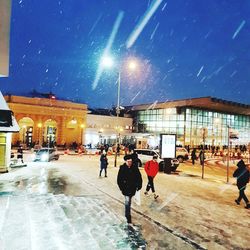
(241, 164)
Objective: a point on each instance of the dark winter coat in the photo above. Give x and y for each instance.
(19, 153)
(129, 179)
(242, 174)
(193, 155)
(104, 161)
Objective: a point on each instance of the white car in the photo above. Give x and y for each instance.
(145, 155)
(182, 154)
(46, 154)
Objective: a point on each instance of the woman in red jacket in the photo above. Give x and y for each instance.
(151, 168)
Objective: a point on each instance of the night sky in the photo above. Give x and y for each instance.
(188, 48)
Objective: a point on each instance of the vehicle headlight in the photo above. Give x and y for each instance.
(44, 157)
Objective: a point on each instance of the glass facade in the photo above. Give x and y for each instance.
(191, 124)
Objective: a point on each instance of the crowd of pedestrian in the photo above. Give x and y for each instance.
(129, 179)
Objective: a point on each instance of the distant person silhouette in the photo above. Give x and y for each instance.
(193, 156)
(103, 163)
(20, 153)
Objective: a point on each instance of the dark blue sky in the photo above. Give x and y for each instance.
(189, 48)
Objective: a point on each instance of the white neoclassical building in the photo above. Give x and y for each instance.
(106, 129)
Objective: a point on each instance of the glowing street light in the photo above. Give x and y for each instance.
(107, 61)
(132, 65)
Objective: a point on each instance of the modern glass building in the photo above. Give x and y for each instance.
(194, 121)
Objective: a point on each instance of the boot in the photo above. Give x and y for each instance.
(156, 196)
(237, 202)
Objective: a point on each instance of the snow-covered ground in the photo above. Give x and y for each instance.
(190, 212)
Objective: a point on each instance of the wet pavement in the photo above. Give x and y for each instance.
(190, 213)
(46, 209)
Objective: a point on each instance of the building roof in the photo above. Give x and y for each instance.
(101, 111)
(47, 102)
(208, 103)
(3, 104)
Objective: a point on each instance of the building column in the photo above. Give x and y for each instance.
(61, 131)
(39, 130)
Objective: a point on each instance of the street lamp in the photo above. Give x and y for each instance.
(228, 151)
(108, 62)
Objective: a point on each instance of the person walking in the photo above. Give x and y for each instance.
(20, 153)
(151, 168)
(103, 163)
(242, 175)
(193, 156)
(129, 181)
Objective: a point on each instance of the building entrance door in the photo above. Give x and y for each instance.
(51, 136)
(29, 134)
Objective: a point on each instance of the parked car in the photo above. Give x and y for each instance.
(46, 154)
(145, 155)
(182, 154)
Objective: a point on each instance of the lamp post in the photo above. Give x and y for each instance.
(228, 151)
(107, 62)
(117, 114)
(203, 151)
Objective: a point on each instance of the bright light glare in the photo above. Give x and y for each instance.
(132, 65)
(44, 157)
(107, 62)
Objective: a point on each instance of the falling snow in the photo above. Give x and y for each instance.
(202, 67)
(179, 47)
(238, 29)
(155, 29)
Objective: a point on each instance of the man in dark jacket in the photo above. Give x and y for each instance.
(129, 181)
(242, 175)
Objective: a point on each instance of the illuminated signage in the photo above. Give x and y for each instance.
(167, 145)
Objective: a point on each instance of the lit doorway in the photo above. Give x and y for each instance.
(26, 125)
(50, 133)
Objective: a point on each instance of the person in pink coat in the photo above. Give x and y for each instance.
(151, 168)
